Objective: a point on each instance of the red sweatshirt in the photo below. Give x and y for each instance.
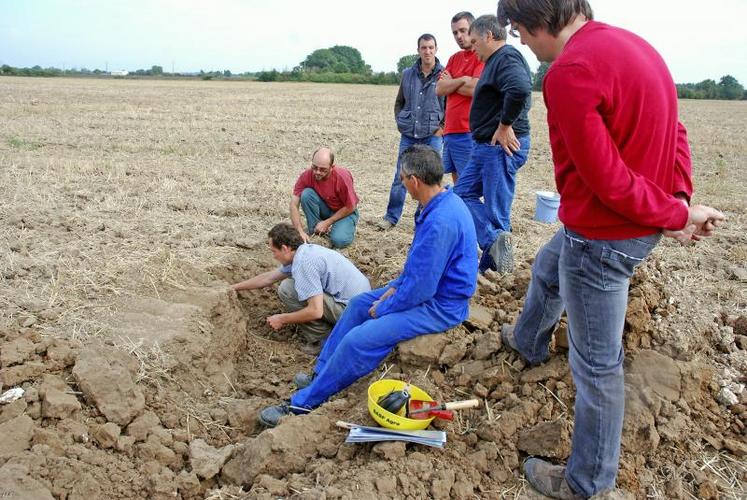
(619, 151)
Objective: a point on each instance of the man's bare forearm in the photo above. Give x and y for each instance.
(260, 281)
(341, 214)
(295, 214)
(468, 86)
(305, 315)
(313, 311)
(448, 86)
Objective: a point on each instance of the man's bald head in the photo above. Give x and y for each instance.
(323, 156)
(322, 162)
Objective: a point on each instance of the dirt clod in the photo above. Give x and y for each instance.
(389, 451)
(548, 439)
(16, 435)
(56, 401)
(106, 435)
(279, 451)
(143, 426)
(422, 350)
(207, 461)
(15, 482)
(105, 378)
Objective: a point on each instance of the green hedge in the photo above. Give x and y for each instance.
(302, 76)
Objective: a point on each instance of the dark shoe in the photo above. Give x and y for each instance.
(272, 415)
(502, 252)
(486, 263)
(507, 337)
(302, 379)
(548, 479)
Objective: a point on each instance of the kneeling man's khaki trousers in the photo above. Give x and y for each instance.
(313, 331)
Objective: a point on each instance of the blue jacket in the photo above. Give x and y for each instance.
(441, 266)
(418, 110)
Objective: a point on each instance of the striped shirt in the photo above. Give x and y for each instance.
(317, 270)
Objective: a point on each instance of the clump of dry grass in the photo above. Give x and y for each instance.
(728, 469)
(155, 365)
(226, 493)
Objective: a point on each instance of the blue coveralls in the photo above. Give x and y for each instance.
(432, 295)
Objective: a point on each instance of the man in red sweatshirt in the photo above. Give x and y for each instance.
(623, 170)
(457, 82)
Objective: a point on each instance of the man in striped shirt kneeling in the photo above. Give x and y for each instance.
(317, 283)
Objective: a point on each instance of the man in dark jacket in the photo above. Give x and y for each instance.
(419, 113)
(500, 128)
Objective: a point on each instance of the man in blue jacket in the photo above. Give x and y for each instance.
(419, 113)
(430, 295)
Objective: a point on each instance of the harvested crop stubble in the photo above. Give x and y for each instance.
(127, 208)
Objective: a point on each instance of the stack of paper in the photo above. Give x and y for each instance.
(11, 395)
(363, 434)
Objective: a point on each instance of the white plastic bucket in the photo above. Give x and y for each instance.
(547, 206)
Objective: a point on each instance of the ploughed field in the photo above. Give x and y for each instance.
(127, 208)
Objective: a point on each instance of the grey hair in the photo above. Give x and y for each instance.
(423, 162)
(488, 23)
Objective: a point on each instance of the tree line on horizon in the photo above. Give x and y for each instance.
(337, 64)
(156, 71)
(344, 64)
(728, 88)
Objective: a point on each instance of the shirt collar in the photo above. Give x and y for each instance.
(433, 72)
(421, 213)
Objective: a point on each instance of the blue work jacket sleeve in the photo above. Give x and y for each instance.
(395, 282)
(429, 255)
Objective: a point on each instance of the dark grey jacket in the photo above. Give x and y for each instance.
(419, 112)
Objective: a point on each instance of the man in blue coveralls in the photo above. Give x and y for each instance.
(430, 295)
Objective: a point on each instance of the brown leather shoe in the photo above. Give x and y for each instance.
(507, 337)
(548, 479)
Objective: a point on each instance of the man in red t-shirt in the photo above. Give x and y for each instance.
(325, 193)
(623, 170)
(457, 83)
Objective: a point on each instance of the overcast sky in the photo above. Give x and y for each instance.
(698, 40)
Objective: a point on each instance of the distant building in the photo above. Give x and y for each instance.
(121, 72)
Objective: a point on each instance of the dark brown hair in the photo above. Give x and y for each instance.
(285, 234)
(463, 15)
(426, 37)
(552, 15)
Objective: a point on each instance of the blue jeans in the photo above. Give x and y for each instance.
(588, 279)
(342, 232)
(398, 192)
(491, 174)
(457, 150)
(359, 343)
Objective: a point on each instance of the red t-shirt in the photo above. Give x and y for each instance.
(619, 150)
(463, 63)
(336, 190)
